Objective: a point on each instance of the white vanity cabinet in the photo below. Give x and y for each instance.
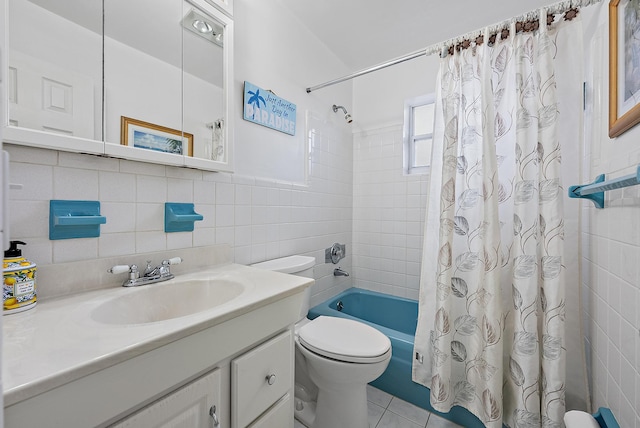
(242, 365)
(261, 394)
(195, 405)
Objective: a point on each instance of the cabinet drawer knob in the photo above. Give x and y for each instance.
(271, 379)
(212, 413)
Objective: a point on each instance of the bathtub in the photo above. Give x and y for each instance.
(396, 317)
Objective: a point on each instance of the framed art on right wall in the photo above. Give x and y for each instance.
(624, 65)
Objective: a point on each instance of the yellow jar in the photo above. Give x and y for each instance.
(19, 281)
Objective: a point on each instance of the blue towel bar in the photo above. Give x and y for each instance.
(605, 418)
(595, 191)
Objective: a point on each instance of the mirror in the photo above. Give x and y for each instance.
(147, 81)
(163, 81)
(55, 67)
(203, 41)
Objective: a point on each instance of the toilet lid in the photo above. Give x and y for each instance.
(345, 340)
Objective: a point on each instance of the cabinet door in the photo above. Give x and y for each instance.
(260, 378)
(188, 407)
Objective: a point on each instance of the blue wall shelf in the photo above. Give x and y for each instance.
(179, 217)
(74, 219)
(595, 191)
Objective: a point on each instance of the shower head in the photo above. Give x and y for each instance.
(347, 116)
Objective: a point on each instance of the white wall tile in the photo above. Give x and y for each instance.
(204, 192)
(121, 217)
(140, 168)
(151, 189)
(67, 250)
(224, 215)
(184, 173)
(208, 213)
(77, 160)
(147, 242)
(74, 183)
(179, 190)
(36, 180)
(242, 215)
(610, 251)
(176, 240)
(225, 194)
(33, 155)
(225, 235)
(243, 194)
(117, 187)
(116, 244)
(387, 215)
(204, 237)
(149, 217)
(29, 218)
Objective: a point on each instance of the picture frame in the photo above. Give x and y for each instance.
(624, 77)
(149, 136)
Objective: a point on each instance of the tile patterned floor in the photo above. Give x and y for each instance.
(387, 411)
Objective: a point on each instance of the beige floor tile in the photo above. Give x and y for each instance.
(391, 420)
(378, 397)
(409, 411)
(375, 413)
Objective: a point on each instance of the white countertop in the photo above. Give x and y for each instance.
(58, 341)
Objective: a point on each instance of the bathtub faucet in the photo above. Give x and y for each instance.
(339, 272)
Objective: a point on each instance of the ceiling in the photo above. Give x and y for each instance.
(363, 33)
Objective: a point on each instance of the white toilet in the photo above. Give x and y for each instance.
(335, 359)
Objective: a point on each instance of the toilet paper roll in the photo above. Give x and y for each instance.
(578, 419)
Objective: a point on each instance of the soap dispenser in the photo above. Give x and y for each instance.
(19, 286)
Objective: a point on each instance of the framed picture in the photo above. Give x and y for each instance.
(624, 65)
(145, 135)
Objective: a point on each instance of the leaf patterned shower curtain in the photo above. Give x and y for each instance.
(496, 339)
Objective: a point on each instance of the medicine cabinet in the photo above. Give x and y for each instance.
(142, 80)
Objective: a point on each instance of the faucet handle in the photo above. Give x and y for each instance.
(131, 270)
(164, 269)
(149, 268)
(120, 269)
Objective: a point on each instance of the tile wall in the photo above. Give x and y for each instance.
(610, 248)
(261, 219)
(611, 298)
(388, 215)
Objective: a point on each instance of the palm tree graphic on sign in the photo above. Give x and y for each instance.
(255, 99)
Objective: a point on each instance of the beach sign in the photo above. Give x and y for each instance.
(265, 108)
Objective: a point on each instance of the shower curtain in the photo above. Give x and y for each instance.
(493, 310)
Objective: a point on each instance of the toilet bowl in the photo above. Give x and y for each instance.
(335, 359)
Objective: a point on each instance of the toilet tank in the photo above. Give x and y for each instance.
(294, 265)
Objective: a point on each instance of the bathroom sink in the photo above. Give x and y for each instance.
(167, 300)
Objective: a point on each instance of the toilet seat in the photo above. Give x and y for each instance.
(344, 340)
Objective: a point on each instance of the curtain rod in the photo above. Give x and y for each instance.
(408, 57)
(555, 8)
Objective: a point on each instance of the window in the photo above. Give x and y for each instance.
(418, 133)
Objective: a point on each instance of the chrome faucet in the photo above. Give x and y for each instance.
(150, 275)
(339, 272)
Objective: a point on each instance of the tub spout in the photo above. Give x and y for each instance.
(339, 272)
